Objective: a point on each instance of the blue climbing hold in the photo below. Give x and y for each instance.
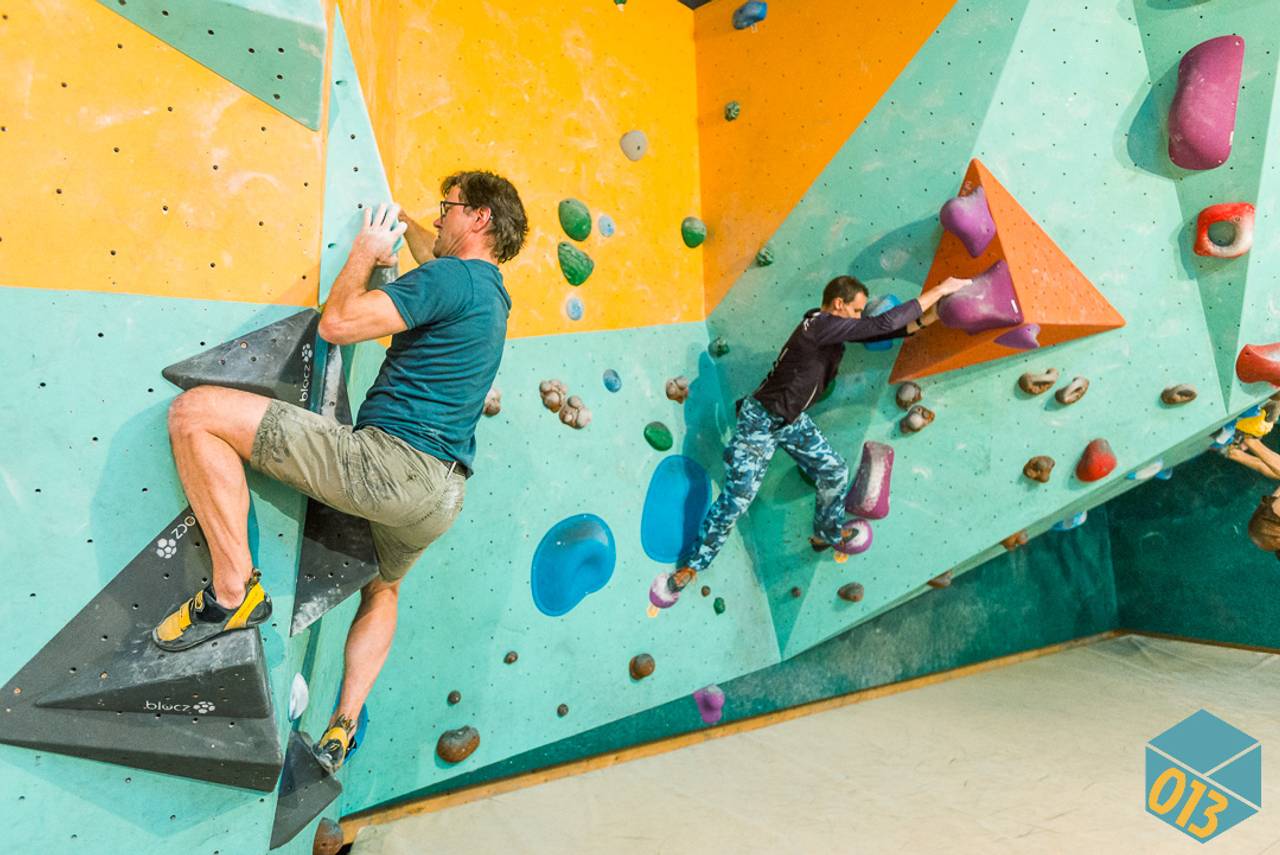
(612, 381)
(677, 500)
(1071, 522)
(606, 225)
(878, 306)
(575, 558)
(749, 14)
(573, 308)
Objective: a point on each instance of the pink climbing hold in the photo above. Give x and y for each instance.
(869, 495)
(710, 701)
(969, 219)
(1239, 216)
(1024, 337)
(660, 593)
(987, 304)
(1202, 119)
(1259, 363)
(859, 539)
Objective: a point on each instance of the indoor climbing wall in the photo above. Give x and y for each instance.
(777, 100)
(992, 82)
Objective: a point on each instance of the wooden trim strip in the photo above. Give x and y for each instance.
(352, 824)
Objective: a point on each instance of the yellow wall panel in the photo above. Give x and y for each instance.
(806, 77)
(108, 152)
(541, 93)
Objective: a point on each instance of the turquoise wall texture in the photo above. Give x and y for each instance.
(1060, 106)
(1065, 107)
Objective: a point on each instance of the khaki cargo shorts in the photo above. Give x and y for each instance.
(410, 498)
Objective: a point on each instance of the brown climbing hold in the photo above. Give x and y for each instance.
(1039, 468)
(1072, 392)
(328, 839)
(942, 581)
(916, 420)
(493, 401)
(851, 592)
(1183, 393)
(796, 592)
(553, 394)
(706, 590)
(562, 710)
(511, 656)
(454, 697)
(454, 746)
(575, 414)
(908, 393)
(1015, 540)
(641, 666)
(678, 389)
(1038, 383)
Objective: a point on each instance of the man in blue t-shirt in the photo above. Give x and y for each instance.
(405, 463)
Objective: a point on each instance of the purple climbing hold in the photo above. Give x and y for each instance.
(869, 495)
(1023, 338)
(988, 303)
(969, 218)
(660, 593)
(859, 539)
(1202, 119)
(749, 14)
(710, 701)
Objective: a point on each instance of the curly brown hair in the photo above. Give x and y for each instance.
(508, 225)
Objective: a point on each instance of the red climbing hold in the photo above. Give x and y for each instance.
(1258, 363)
(1097, 462)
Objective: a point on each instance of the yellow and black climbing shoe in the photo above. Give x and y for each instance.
(202, 617)
(336, 743)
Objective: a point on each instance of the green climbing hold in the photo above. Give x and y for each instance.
(575, 219)
(765, 256)
(575, 264)
(719, 347)
(718, 605)
(659, 436)
(694, 231)
(732, 111)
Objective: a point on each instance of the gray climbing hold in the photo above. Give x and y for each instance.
(908, 395)
(732, 110)
(1034, 383)
(765, 256)
(917, 419)
(718, 347)
(634, 144)
(1072, 392)
(1183, 393)
(493, 401)
(678, 389)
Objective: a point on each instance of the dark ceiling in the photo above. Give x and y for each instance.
(694, 4)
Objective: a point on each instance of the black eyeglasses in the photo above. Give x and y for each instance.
(445, 206)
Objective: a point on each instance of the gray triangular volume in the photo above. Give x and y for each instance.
(305, 790)
(135, 725)
(225, 677)
(337, 556)
(277, 360)
(336, 560)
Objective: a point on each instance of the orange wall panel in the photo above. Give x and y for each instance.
(806, 77)
(130, 168)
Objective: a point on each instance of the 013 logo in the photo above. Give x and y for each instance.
(1203, 776)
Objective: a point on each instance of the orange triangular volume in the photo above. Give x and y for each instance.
(1050, 289)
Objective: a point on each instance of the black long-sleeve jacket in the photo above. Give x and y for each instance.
(811, 357)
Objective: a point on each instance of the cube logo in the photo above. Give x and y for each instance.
(1203, 776)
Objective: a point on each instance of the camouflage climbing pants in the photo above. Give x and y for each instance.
(755, 438)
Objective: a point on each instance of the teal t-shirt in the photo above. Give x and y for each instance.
(431, 388)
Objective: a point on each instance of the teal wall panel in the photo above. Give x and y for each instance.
(1184, 563)
(1058, 588)
(88, 481)
(469, 601)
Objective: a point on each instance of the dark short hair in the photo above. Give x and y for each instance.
(508, 225)
(844, 287)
